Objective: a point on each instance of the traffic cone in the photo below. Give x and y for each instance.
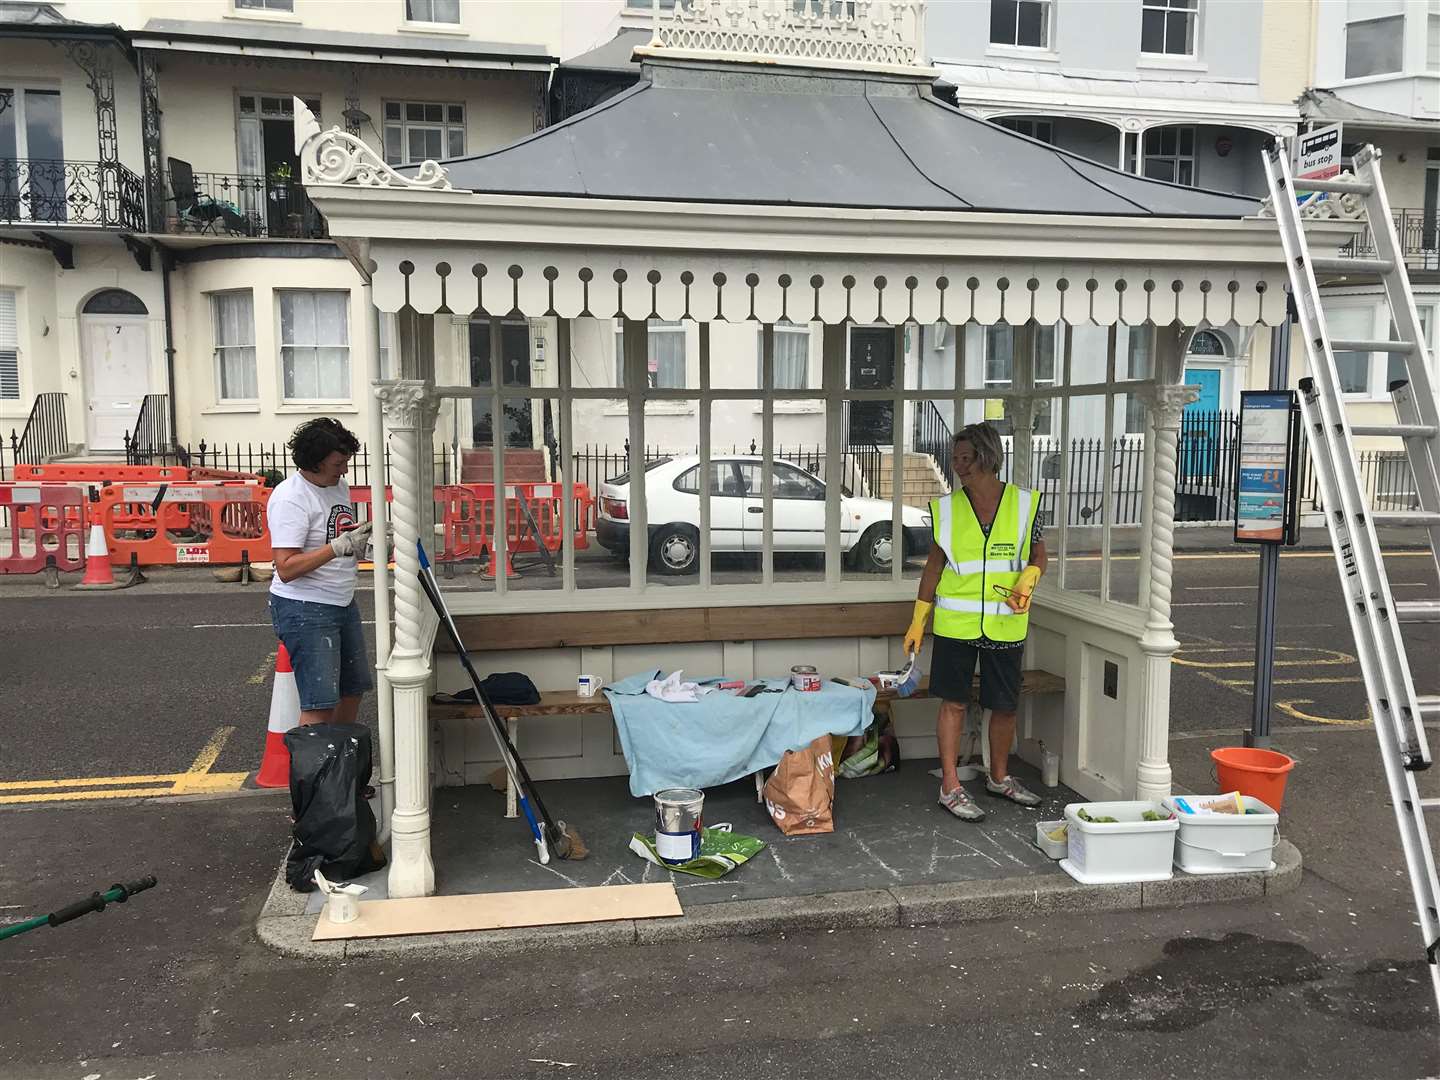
(284, 715)
(97, 560)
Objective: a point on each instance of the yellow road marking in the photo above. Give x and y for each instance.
(266, 669)
(1289, 682)
(1289, 709)
(197, 779)
(1338, 659)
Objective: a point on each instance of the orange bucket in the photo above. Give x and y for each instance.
(1254, 772)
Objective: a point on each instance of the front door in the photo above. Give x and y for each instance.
(872, 367)
(514, 371)
(117, 377)
(1199, 431)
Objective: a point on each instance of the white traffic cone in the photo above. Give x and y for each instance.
(284, 715)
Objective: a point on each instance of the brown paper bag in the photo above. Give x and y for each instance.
(800, 793)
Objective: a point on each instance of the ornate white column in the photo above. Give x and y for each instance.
(410, 406)
(1158, 641)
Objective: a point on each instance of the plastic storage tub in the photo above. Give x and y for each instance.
(1056, 849)
(1225, 843)
(1130, 849)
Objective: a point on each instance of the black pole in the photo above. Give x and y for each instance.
(1259, 733)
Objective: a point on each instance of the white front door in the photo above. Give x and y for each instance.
(117, 377)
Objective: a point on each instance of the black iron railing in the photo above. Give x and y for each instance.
(45, 437)
(1418, 232)
(151, 437)
(44, 191)
(930, 434)
(231, 204)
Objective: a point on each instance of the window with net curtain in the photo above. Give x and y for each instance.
(665, 358)
(315, 345)
(9, 347)
(233, 314)
(792, 358)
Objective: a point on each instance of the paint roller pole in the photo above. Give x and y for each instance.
(96, 901)
(380, 517)
(1259, 733)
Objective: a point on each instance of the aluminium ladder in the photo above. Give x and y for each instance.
(1398, 713)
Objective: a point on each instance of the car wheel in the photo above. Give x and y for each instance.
(675, 550)
(874, 552)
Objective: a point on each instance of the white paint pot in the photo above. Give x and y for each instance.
(677, 823)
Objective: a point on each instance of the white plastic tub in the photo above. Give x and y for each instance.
(1130, 849)
(1056, 849)
(1225, 843)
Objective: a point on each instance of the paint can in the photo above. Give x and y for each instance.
(805, 677)
(677, 824)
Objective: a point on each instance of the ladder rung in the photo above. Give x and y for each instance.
(1408, 611)
(1430, 804)
(1429, 707)
(1340, 187)
(1354, 266)
(1405, 517)
(1399, 431)
(1346, 345)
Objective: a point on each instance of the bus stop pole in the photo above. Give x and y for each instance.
(1259, 733)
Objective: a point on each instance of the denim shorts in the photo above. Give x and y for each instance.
(326, 647)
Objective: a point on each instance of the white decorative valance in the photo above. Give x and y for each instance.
(569, 283)
(854, 35)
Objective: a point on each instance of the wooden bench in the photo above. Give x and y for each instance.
(569, 703)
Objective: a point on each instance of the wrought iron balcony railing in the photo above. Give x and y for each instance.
(228, 204)
(45, 191)
(1419, 235)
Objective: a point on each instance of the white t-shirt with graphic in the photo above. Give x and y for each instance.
(305, 516)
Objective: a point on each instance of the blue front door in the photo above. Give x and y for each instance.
(1200, 426)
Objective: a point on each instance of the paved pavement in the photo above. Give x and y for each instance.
(1325, 981)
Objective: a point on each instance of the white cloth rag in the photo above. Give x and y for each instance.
(672, 689)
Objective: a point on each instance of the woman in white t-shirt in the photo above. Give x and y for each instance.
(312, 595)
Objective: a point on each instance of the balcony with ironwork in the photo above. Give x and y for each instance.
(52, 192)
(239, 205)
(1418, 232)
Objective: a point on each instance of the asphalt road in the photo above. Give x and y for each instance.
(1322, 982)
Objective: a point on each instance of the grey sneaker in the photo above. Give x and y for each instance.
(1012, 789)
(959, 803)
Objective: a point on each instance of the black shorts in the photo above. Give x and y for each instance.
(952, 673)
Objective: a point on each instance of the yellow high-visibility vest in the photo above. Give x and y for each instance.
(967, 606)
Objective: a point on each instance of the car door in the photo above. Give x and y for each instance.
(727, 504)
(797, 508)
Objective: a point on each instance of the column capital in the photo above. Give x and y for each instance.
(409, 404)
(1167, 403)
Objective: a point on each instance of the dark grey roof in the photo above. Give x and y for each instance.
(696, 135)
(613, 57)
(300, 39)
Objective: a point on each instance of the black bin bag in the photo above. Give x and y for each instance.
(334, 828)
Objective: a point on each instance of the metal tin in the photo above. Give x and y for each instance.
(678, 814)
(805, 677)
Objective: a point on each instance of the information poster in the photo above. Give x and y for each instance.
(1262, 490)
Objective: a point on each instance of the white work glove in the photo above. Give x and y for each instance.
(351, 543)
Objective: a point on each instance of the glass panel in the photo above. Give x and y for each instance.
(414, 111)
(394, 144)
(1032, 28)
(1082, 469)
(1374, 47)
(434, 114)
(866, 543)
(445, 11)
(456, 147)
(455, 114)
(1127, 480)
(1003, 16)
(666, 360)
(515, 371)
(1152, 31)
(599, 459)
(791, 357)
(736, 508)
(929, 474)
(392, 110)
(672, 443)
(735, 359)
(1354, 367)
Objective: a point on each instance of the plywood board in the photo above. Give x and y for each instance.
(496, 911)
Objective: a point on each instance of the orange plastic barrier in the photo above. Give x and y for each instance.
(469, 518)
(180, 524)
(46, 523)
(101, 472)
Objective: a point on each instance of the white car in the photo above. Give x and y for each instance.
(672, 506)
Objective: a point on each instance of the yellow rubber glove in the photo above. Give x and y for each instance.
(915, 636)
(1019, 598)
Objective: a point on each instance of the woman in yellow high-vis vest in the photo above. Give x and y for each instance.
(985, 558)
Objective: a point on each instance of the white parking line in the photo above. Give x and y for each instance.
(1212, 603)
